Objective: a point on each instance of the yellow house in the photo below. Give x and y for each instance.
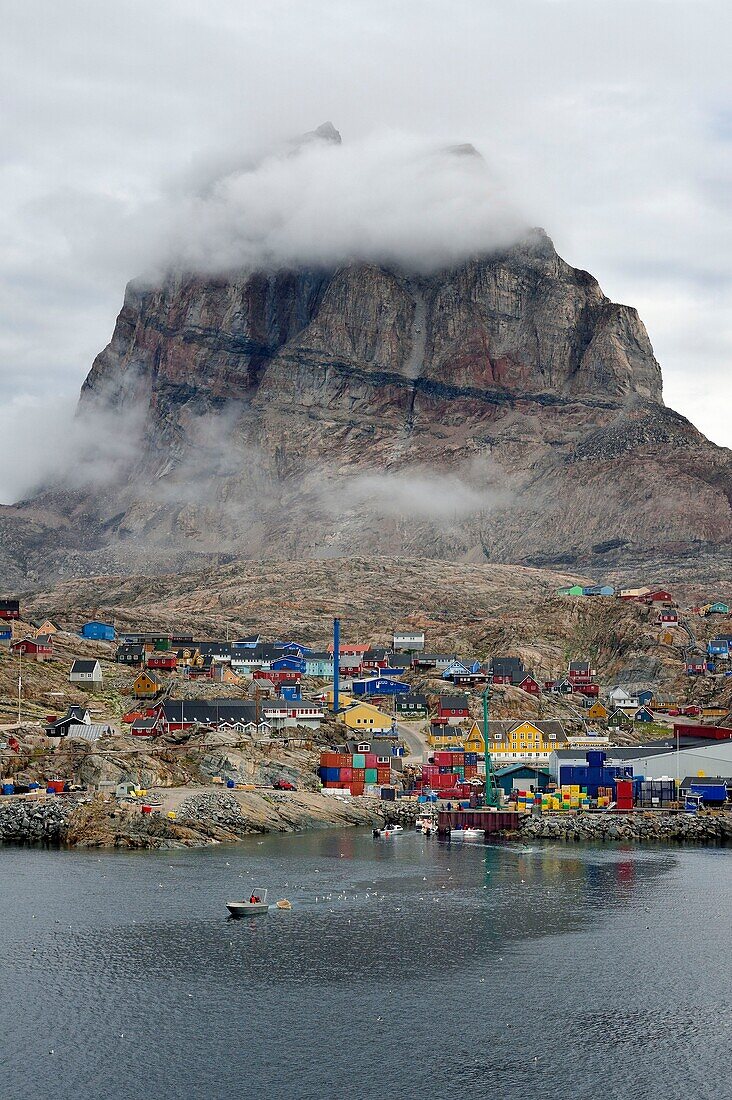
(597, 712)
(365, 717)
(445, 737)
(344, 699)
(512, 740)
(47, 627)
(145, 685)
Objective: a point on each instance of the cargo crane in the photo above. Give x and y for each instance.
(492, 795)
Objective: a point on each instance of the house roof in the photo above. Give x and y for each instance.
(506, 725)
(89, 731)
(623, 753)
(418, 700)
(510, 769)
(579, 666)
(84, 666)
(459, 701)
(209, 711)
(144, 723)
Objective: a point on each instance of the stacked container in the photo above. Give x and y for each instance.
(352, 771)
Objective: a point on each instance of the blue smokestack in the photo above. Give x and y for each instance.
(336, 664)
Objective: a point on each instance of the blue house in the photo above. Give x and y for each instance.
(598, 590)
(379, 685)
(5, 633)
(320, 665)
(291, 691)
(644, 697)
(456, 668)
(289, 664)
(643, 714)
(718, 647)
(97, 631)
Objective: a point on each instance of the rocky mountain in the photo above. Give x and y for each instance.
(499, 410)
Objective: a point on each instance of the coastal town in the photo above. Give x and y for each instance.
(108, 712)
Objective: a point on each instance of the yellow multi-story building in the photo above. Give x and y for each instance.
(517, 740)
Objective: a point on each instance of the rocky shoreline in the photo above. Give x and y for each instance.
(215, 817)
(652, 828)
(220, 817)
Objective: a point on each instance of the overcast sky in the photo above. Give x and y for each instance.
(609, 123)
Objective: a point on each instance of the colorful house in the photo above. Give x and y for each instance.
(522, 740)
(530, 685)
(411, 707)
(98, 631)
(86, 673)
(379, 685)
(717, 608)
(453, 708)
(668, 616)
(408, 641)
(695, 666)
(367, 718)
(146, 685)
(643, 714)
(164, 661)
(36, 649)
(598, 590)
(572, 590)
(444, 736)
(9, 609)
(581, 672)
(597, 712)
(319, 665)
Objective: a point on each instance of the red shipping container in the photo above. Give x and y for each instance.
(346, 775)
(458, 759)
(371, 759)
(383, 774)
(358, 775)
(357, 788)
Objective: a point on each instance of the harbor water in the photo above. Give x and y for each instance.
(408, 968)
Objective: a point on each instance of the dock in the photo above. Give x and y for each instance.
(490, 821)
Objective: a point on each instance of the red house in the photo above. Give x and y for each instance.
(695, 666)
(668, 615)
(581, 672)
(167, 661)
(277, 677)
(530, 685)
(659, 596)
(38, 649)
(453, 708)
(9, 609)
(589, 690)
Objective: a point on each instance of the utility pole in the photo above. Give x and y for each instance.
(20, 679)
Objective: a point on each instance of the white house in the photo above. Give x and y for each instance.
(408, 641)
(86, 673)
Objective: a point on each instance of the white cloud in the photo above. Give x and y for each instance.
(608, 123)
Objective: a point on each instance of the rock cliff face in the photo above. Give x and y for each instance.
(503, 410)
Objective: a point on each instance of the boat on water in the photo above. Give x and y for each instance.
(389, 830)
(256, 904)
(426, 825)
(466, 834)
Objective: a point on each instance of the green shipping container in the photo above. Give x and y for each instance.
(162, 645)
(359, 760)
(371, 775)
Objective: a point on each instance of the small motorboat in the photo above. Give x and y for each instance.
(473, 834)
(389, 830)
(257, 904)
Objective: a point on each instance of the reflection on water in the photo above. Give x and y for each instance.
(407, 965)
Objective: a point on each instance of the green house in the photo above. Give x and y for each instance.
(574, 590)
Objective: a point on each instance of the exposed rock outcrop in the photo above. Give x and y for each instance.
(502, 409)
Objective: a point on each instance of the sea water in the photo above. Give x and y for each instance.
(408, 967)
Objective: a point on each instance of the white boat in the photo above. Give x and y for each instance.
(257, 904)
(465, 834)
(389, 830)
(426, 825)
